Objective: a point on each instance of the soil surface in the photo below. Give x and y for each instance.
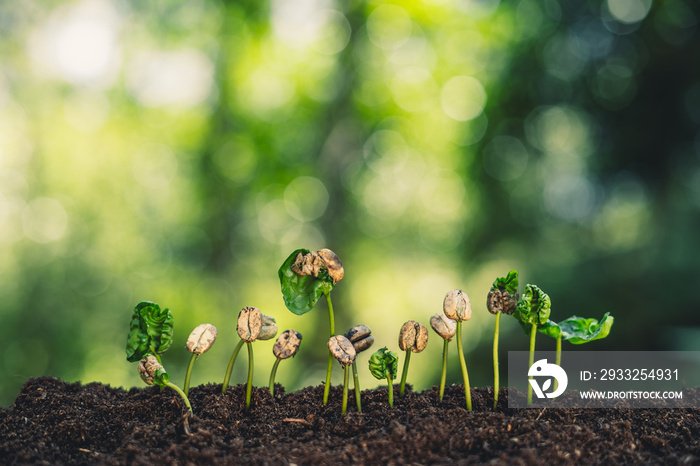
(57, 423)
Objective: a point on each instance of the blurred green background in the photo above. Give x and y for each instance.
(178, 151)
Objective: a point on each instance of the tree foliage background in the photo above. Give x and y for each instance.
(178, 151)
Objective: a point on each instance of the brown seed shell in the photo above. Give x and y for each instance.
(249, 324)
(147, 368)
(341, 348)
(332, 264)
(201, 339)
(413, 336)
(457, 306)
(269, 328)
(361, 337)
(287, 344)
(443, 326)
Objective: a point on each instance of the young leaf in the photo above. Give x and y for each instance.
(578, 330)
(533, 308)
(383, 361)
(508, 283)
(301, 292)
(503, 296)
(150, 331)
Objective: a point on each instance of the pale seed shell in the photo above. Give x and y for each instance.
(341, 348)
(147, 368)
(201, 339)
(332, 263)
(269, 328)
(457, 306)
(413, 336)
(443, 326)
(249, 324)
(287, 344)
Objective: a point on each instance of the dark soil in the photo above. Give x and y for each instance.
(56, 422)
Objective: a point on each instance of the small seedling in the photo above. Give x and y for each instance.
(153, 373)
(532, 312)
(577, 330)
(305, 276)
(249, 326)
(361, 338)
(413, 337)
(502, 298)
(200, 340)
(267, 331)
(150, 331)
(285, 347)
(446, 328)
(458, 307)
(342, 350)
(384, 364)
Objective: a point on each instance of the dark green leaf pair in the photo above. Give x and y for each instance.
(579, 330)
(302, 292)
(150, 331)
(384, 362)
(533, 308)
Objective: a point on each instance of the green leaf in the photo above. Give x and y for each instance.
(579, 330)
(549, 328)
(384, 362)
(508, 283)
(533, 308)
(150, 331)
(301, 293)
(162, 378)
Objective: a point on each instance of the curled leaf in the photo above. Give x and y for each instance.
(579, 330)
(503, 296)
(301, 288)
(533, 308)
(384, 362)
(150, 331)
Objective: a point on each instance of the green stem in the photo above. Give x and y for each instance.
(404, 372)
(331, 320)
(445, 346)
(272, 376)
(465, 374)
(495, 361)
(356, 382)
(533, 334)
(181, 393)
(391, 389)
(345, 389)
(249, 384)
(557, 360)
(229, 369)
(186, 387)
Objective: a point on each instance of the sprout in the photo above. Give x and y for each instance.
(361, 338)
(341, 348)
(249, 327)
(200, 340)
(458, 307)
(286, 346)
(413, 337)
(153, 373)
(446, 328)
(304, 277)
(384, 364)
(502, 298)
(150, 331)
(532, 312)
(268, 330)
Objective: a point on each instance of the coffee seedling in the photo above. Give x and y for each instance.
(361, 338)
(577, 330)
(413, 337)
(305, 276)
(200, 340)
(249, 326)
(502, 298)
(458, 307)
(446, 328)
(342, 350)
(285, 347)
(150, 331)
(532, 312)
(267, 331)
(153, 373)
(384, 364)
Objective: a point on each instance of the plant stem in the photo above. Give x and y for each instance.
(391, 389)
(272, 376)
(356, 382)
(331, 320)
(249, 384)
(465, 374)
(404, 372)
(181, 393)
(557, 360)
(345, 389)
(445, 346)
(495, 361)
(229, 369)
(533, 334)
(186, 387)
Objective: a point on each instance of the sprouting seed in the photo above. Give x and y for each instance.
(249, 327)
(286, 346)
(446, 328)
(153, 373)
(502, 298)
(361, 338)
(383, 364)
(200, 340)
(268, 329)
(458, 307)
(342, 350)
(413, 337)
